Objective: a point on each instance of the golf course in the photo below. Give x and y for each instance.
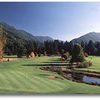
(24, 76)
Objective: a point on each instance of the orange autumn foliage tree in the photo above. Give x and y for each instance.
(2, 41)
(32, 54)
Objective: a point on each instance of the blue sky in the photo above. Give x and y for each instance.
(59, 20)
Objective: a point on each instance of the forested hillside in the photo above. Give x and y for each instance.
(14, 34)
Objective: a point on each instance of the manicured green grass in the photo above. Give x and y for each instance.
(95, 64)
(25, 77)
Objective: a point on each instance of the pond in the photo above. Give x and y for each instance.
(84, 78)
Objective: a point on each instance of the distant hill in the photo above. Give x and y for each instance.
(87, 37)
(13, 34)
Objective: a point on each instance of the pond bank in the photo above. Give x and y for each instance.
(88, 77)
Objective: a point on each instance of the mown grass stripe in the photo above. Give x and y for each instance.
(5, 83)
(37, 83)
(23, 81)
(50, 83)
(18, 81)
(48, 80)
(42, 84)
(10, 80)
(28, 82)
(54, 81)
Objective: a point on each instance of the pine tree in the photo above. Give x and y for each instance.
(77, 53)
(91, 48)
(83, 45)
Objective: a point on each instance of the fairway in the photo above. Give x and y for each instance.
(25, 77)
(95, 64)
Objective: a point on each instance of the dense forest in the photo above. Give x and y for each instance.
(49, 47)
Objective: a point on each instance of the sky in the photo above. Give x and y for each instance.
(59, 20)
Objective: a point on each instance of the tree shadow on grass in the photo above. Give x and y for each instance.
(56, 62)
(45, 65)
(10, 57)
(53, 60)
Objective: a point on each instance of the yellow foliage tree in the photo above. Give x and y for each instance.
(32, 54)
(2, 41)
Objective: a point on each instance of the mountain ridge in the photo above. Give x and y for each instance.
(13, 33)
(94, 36)
(20, 35)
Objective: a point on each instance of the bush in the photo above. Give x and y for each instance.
(58, 53)
(84, 64)
(85, 54)
(65, 55)
(44, 53)
(60, 70)
(39, 54)
(79, 65)
(90, 64)
(32, 54)
(35, 53)
(62, 59)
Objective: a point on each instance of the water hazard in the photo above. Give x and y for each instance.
(84, 78)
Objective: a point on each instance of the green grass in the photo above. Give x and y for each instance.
(95, 64)
(15, 80)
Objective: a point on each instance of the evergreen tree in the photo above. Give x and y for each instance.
(66, 46)
(77, 53)
(91, 48)
(97, 45)
(47, 45)
(60, 47)
(70, 47)
(21, 50)
(83, 45)
(55, 46)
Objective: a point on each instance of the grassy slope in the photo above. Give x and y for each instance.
(14, 80)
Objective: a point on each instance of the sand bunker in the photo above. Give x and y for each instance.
(54, 77)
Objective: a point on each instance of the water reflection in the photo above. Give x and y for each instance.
(91, 79)
(84, 78)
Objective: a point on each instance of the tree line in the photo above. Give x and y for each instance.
(49, 47)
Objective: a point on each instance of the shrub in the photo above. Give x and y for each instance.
(84, 64)
(85, 54)
(27, 55)
(58, 53)
(44, 53)
(90, 64)
(60, 70)
(35, 53)
(80, 65)
(39, 54)
(62, 59)
(65, 55)
(32, 54)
